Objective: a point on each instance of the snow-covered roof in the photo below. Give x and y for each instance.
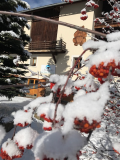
(49, 6)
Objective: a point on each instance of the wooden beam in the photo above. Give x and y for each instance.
(47, 51)
(54, 58)
(103, 26)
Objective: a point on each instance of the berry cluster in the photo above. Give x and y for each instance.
(102, 71)
(90, 3)
(78, 154)
(78, 88)
(101, 80)
(51, 85)
(45, 118)
(84, 126)
(22, 148)
(83, 17)
(58, 91)
(47, 128)
(22, 125)
(5, 156)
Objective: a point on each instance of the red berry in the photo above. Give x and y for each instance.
(96, 6)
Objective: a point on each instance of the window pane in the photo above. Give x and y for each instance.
(78, 64)
(30, 83)
(36, 84)
(34, 60)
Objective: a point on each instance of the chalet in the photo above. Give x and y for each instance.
(54, 47)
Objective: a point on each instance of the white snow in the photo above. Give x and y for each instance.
(54, 145)
(47, 125)
(8, 80)
(27, 5)
(2, 133)
(106, 52)
(16, 60)
(90, 106)
(48, 109)
(21, 117)
(79, 93)
(116, 146)
(60, 82)
(115, 36)
(4, 56)
(8, 68)
(13, 34)
(88, 82)
(7, 107)
(35, 103)
(15, 24)
(25, 137)
(11, 148)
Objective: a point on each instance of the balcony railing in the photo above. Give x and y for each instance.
(111, 22)
(57, 46)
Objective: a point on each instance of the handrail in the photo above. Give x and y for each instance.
(109, 21)
(47, 45)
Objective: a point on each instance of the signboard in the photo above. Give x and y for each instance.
(48, 69)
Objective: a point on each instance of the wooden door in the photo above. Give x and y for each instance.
(44, 31)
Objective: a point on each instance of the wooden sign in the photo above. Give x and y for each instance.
(79, 37)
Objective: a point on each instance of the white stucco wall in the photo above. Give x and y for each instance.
(70, 14)
(67, 34)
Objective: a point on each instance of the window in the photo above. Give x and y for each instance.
(79, 64)
(36, 84)
(31, 82)
(33, 61)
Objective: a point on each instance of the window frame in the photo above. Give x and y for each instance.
(74, 58)
(32, 61)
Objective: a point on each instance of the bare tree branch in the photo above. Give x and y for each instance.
(55, 22)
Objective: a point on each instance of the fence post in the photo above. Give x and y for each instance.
(61, 43)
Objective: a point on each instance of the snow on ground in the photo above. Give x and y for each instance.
(7, 107)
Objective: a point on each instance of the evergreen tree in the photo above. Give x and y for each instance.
(12, 42)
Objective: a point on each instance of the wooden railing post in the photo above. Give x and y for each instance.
(61, 43)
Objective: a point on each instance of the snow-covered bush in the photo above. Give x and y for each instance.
(88, 126)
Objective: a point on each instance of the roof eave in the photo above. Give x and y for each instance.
(49, 6)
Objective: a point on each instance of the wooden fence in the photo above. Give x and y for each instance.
(47, 45)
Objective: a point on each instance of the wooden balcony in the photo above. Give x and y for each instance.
(56, 47)
(111, 22)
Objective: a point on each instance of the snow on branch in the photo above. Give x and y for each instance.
(115, 36)
(60, 82)
(36, 103)
(25, 137)
(48, 110)
(105, 52)
(16, 60)
(54, 145)
(90, 106)
(11, 33)
(22, 118)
